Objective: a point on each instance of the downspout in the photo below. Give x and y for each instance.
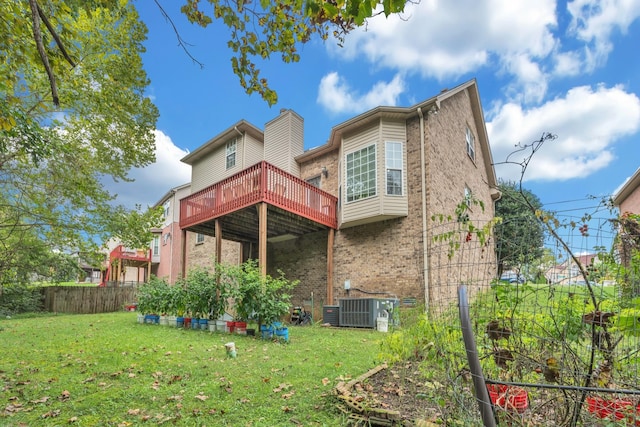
(243, 145)
(423, 189)
(171, 248)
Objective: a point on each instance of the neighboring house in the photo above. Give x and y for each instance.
(627, 200)
(627, 197)
(350, 218)
(568, 272)
(166, 246)
(125, 266)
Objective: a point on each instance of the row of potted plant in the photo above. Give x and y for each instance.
(203, 295)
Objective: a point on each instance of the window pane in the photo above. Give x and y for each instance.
(394, 163)
(361, 174)
(394, 182)
(231, 153)
(471, 149)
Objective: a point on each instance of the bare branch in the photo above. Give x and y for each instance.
(37, 36)
(55, 36)
(181, 42)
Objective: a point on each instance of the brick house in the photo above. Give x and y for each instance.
(627, 200)
(166, 246)
(627, 197)
(348, 218)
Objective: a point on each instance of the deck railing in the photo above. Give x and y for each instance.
(261, 182)
(120, 252)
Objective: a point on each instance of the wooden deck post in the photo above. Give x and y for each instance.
(262, 238)
(183, 254)
(218, 231)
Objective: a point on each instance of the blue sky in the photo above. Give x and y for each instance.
(569, 68)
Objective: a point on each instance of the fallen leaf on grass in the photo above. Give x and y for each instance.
(325, 381)
(132, 375)
(65, 395)
(41, 400)
(51, 414)
(15, 407)
(89, 380)
(72, 420)
(175, 397)
(175, 378)
(133, 411)
(286, 409)
(288, 395)
(202, 397)
(282, 387)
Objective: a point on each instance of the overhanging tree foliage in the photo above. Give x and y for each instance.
(519, 236)
(72, 114)
(259, 29)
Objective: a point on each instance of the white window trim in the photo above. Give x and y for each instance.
(471, 144)
(375, 185)
(228, 152)
(468, 195)
(155, 245)
(199, 238)
(387, 168)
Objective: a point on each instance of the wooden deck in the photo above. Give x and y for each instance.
(298, 206)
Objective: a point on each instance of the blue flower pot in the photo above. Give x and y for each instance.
(283, 333)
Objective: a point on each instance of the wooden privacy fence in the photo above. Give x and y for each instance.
(86, 300)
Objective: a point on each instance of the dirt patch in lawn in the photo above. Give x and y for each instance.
(397, 395)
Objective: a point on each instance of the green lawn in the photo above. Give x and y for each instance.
(108, 370)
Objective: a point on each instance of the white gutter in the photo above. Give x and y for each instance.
(423, 189)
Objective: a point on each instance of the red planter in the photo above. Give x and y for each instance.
(187, 323)
(614, 408)
(241, 328)
(231, 327)
(509, 398)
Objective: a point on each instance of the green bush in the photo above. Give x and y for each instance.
(264, 299)
(18, 298)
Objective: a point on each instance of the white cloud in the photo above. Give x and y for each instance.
(445, 40)
(335, 94)
(587, 121)
(152, 182)
(594, 21)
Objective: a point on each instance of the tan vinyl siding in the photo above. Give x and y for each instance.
(380, 206)
(393, 131)
(212, 168)
(253, 151)
(283, 141)
(356, 210)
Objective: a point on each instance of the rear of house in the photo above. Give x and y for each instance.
(351, 218)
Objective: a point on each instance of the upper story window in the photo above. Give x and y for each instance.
(393, 159)
(155, 245)
(231, 153)
(166, 207)
(471, 144)
(467, 196)
(199, 238)
(361, 173)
